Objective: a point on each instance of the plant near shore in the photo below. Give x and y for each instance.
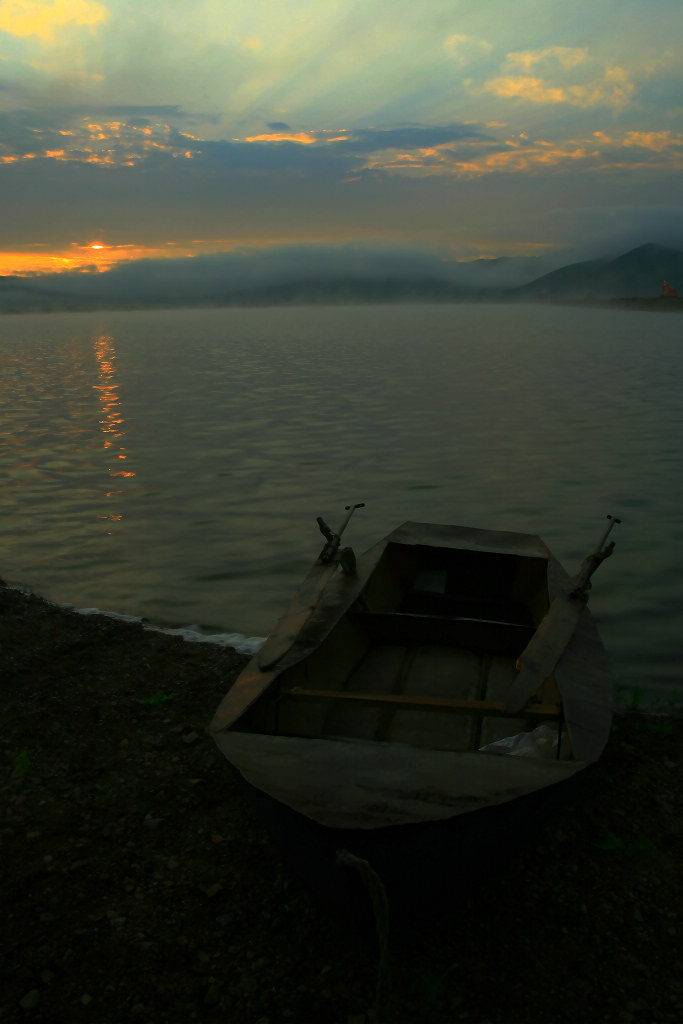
(633, 697)
(613, 842)
(157, 700)
(432, 990)
(657, 715)
(104, 795)
(22, 763)
(634, 701)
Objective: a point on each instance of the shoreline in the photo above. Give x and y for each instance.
(139, 885)
(645, 304)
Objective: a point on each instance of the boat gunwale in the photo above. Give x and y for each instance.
(341, 590)
(587, 715)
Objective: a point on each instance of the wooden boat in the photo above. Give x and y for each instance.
(419, 710)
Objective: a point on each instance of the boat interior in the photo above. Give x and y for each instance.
(424, 656)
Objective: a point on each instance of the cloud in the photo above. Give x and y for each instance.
(552, 83)
(253, 43)
(115, 139)
(527, 88)
(614, 90)
(658, 142)
(42, 18)
(251, 273)
(567, 56)
(596, 153)
(466, 49)
(144, 54)
(283, 136)
(128, 136)
(606, 230)
(125, 135)
(410, 136)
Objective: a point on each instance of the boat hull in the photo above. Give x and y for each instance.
(386, 733)
(427, 869)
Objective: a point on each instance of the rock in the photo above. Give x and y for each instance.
(212, 996)
(30, 1000)
(110, 920)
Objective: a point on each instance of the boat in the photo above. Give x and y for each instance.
(416, 713)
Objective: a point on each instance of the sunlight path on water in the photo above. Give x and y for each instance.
(172, 464)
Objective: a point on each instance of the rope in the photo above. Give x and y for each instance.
(380, 909)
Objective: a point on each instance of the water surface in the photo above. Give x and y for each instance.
(171, 464)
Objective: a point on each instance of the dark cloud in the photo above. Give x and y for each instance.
(66, 112)
(21, 131)
(268, 156)
(336, 158)
(412, 136)
(130, 110)
(149, 187)
(602, 232)
(26, 130)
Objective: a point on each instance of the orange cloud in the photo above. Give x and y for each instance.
(111, 143)
(658, 142)
(252, 44)
(567, 56)
(521, 155)
(541, 76)
(302, 137)
(41, 18)
(614, 90)
(99, 256)
(466, 48)
(526, 88)
(76, 257)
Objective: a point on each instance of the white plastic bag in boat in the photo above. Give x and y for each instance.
(541, 742)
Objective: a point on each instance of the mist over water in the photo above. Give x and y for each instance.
(171, 464)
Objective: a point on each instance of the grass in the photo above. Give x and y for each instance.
(22, 763)
(613, 842)
(635, 699)
(157, 700)
(432, 989)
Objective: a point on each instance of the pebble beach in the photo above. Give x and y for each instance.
(138, 884)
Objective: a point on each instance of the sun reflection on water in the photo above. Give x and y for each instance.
(111, 423)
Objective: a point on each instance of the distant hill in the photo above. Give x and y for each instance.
(28, 295)
(637, 274)
(347, 275)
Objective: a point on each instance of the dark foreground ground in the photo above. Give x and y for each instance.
(139, 886)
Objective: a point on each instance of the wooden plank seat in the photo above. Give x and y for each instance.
(417, 703)
(428, 603)
(481, 635)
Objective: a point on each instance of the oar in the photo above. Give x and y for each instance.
(290, 624)
(549, 642)
(329, 552)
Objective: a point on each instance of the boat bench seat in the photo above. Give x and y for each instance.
(417, 703)
(481, 635)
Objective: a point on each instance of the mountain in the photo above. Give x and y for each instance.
(317, 275)
(638, 273)
(28, 295)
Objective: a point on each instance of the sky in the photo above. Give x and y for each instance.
(457, 129)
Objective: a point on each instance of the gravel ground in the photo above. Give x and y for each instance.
(139, 886)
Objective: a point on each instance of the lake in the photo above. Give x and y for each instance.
(171, 464)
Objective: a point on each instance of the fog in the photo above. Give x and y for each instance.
(343, 273)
